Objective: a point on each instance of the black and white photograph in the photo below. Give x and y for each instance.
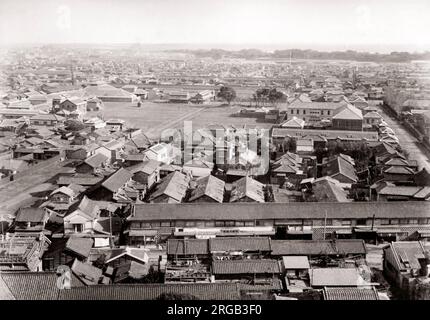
(229, 152)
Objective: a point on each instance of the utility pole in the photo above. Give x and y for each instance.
(110, 221)
(72, 73)
(2, 231)
(325, 222)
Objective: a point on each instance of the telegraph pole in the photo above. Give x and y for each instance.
(325, 222)
(110, 222)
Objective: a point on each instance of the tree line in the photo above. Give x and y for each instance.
(394, 56)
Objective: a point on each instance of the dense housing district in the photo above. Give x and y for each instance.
(298, 179)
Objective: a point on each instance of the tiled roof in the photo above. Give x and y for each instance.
(86, 272)
(327, 189)
(150, 166)
(117, 180)
(397, 162)
(349, 112)
(251, 266)
(5, 293)
(65, 190)
(175, 186)
(315, 105)
(296, 262)
(335, 277)
(96, 160)
(81, 246)
(136, 254)
(350, 294)
(340, 166)
(113, 145)
(285, 168)
(407, 253)
(328, 134)
(407, 191)
(31, 285)
(239, 244)
(251, 211)
(89, 207)
(135, 157)
(247, 187)
(47, 117)
(294, 122)
(372, 115)
(424, 193)
(209, 291)
(197, 163)
(79, 180)
(399, 170)
(141, 141)
(30, 215)
(105, 90)
(210, 186)
(187, 247)
(312, 247)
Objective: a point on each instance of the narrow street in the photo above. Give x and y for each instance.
(18, 193)
(407, 141)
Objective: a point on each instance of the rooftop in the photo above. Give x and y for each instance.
(117, 180)
(251, 211)
(239, 244)
(350, 294)
(175, 186)
(336, 277)
(251, 266)
(187, 247)
(81, 246)
(247, 187)
(328, 134)
(408, 253)
(209, 186)
(31, 215)
(313, 247)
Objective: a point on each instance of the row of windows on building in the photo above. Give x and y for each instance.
(315, 222)
(41, 122)
(318, 112)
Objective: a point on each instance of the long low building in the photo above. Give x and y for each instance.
(17, 113)
(43, 286)
(343, 135)
(398, 219)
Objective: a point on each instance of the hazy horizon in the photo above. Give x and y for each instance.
(381, 49)
(331, 25)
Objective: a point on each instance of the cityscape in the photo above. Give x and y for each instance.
(137, 169)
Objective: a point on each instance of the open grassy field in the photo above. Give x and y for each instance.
(153, 117)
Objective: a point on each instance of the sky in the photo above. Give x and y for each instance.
(365, 25)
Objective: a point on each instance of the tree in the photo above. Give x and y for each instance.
(227, 93)
(275, 96)
(265, 95)
(262, 95)
(74, 125)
